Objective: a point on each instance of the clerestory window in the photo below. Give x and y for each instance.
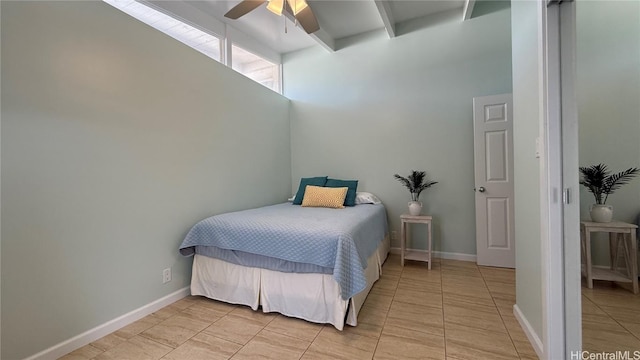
(241, 60)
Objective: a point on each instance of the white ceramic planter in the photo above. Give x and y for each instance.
(601, 213)
(415, 207)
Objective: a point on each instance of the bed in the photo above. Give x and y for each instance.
(313, 263)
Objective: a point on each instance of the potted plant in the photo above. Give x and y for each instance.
(601, 183)
(416, 182)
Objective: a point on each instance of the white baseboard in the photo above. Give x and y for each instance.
(107, 328)
(535, 341)
(442, 255)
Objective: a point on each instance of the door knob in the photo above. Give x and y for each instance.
(481, 189)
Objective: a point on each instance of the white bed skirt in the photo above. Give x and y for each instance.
(312, 297)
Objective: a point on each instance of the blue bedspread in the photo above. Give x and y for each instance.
(342, 239)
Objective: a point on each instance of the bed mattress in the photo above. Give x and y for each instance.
(340, 239)
(264, 262)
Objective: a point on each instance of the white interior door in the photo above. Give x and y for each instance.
(493, 158)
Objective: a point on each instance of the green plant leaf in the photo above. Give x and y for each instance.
(600, 182)
(404, 182)
(415, 182)
(615, 181)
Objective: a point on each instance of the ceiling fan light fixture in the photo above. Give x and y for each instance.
(297, 5)
(300, 10)
(276, 6)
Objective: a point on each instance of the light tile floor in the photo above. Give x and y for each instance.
(610, 318)
(457, 310)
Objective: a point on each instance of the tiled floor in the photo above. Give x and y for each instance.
(455, 311)
(610, 318)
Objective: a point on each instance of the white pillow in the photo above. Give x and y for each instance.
(291, 198)
(366, 198)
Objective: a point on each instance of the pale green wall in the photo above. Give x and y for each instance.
(381, 106)
(115, 140)
(526, 120)
(0, 195)
(608, 95)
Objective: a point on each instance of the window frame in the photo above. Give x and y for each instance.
(227, 35)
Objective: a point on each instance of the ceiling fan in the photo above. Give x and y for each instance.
(298, 8)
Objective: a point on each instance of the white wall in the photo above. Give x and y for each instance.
(382, 106)
(526, 121)
(608, 95)
(115, 140)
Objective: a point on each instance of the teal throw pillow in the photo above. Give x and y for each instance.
(350, 200)
(315, 181)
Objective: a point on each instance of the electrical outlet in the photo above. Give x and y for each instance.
(394, 235)
(166, 275)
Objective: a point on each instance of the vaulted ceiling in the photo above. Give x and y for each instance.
(337, 18)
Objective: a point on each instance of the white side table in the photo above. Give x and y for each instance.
(410, 254)
(620, 233)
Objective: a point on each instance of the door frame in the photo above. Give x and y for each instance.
(570, 181)
(561, 319)
(553, 325)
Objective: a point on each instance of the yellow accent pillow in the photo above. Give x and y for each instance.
(318, 196)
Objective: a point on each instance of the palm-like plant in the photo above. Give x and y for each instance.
(416, 182)
(600, 182)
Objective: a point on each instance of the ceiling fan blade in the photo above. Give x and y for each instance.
(307, 20)
(243, 7)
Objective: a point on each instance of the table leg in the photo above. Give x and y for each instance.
(402, 241)
(622, 239)
(429, 243)
(613, 250)
(634, 261)
(587, 245)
